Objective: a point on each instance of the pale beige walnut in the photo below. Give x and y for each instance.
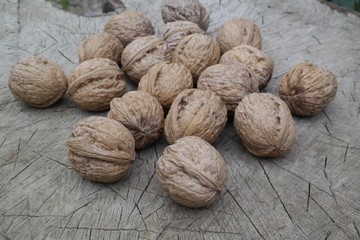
(95, 82)
(37, 82)
(236, 32)
(165, 81)
(101, 149)
(264, 123)
(185, 10)
(142, 114)
(129, 25)
(307, 89)
(197, 52)
(195, 112)
(192, 172)
(257, 61)
(143, 53)
(230, 82)
(101, 45)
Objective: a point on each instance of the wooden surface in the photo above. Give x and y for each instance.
(313, 192)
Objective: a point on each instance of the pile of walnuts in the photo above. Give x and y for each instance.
(188, 85)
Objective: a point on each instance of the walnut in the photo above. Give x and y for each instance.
(192, 172)
(185, 10)
(101, 45)
(143, 53)
(129, 25)
(142, 114)
(264, 123)
(101, 149)
(257, 61)
(197, 52)
(230, 82)
(95, 82)
(307, 89)
(37, 82)
(236, 32)
(195, 112)
(165, 81)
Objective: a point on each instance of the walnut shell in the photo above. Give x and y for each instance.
(230, 82)
(129, 25)
(101, 149)
(37, 82)
(307, 89)
(264, 123)
(142, 114)
(236, 32)
(257, 61)
(143, 53)
(197, 52)
(185, 10)
(195, 112)
(192, 172)
(165, 81)
(95, 82)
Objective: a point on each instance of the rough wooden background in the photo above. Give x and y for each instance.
(311, 193)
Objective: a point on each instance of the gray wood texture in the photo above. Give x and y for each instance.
(313, 192)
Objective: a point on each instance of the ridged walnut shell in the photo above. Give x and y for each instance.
(185, 10)
(307, 89)
(236, 32)
(101, 149)
(95, 82)
(230, 82)
(142, 114)
(192, 172)
(197, 52)
(143, 53)
(257, 61)
(37, 82)
(165, 81)
(264, 123)
(129, 25)
(195, 112)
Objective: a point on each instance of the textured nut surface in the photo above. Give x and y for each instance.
(192, 172)
(95, 82)
(195, 112)
(165, 81)
(143, 53)
(101, 45)
(101, 149)
(141, 113)
(129, 25)
(185, 10)
(197, 52)
(264, 123)
(257, 61)
(236, 32)
(230, 82)
(37, 82)
(307, 89)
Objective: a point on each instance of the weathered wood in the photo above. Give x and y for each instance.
(311, 193)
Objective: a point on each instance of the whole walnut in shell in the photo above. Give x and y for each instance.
(192, 172)
(195, 112)
(37, 82)
(165, 81)
(257, 61)
(141, 113)
(307, 89)
(264, 123)
(95, 82)
(129, 25)
(101, 149)
(230, 82)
